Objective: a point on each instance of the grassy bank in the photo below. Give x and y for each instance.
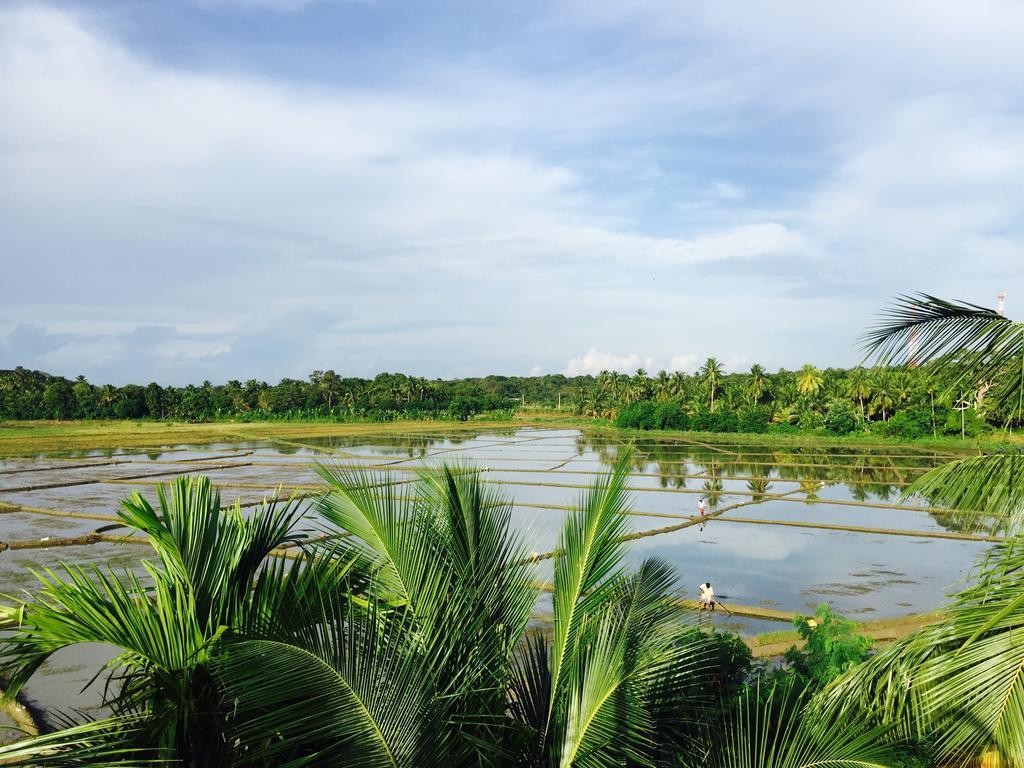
(37, 437)
(18, 438)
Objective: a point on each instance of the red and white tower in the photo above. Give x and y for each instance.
(1001, 307)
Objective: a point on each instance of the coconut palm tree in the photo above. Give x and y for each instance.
(757, 384)
(859, 388)
(590, 692)
(662, 386)
(882, 398)
(711, 376)
(957, 683)
(809, 380)
(677, 384)
(214, 577)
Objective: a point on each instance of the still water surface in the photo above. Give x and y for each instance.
(864, 575)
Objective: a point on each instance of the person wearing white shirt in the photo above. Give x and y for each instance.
(707, 597)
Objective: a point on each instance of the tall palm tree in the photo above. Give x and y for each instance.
(711, 376)
(757, 384)
(809, 380)
(662, 386)
(677, 384)
(859, 388)
(882, 399)
(958, 683)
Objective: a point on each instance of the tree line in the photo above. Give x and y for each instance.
(28, 394)
(906, 402)
(891, 401)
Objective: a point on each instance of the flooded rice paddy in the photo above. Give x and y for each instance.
(787, 527)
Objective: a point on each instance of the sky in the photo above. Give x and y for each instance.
(235, 189)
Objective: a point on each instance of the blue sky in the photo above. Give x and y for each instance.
(259, 188)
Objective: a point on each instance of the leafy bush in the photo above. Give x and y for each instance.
(641, 415)
(670, 415)
(840, 418)
(753, 419)
(973, 424)
(915, 423)
(721, 420)
(810, 420)
(832, 647)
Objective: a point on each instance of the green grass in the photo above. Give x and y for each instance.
(34, 437)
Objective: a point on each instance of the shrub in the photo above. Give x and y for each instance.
(909, 424)
(722, 420)
(810, 420)
(641, 415)
(840, 418)
(670, 415)
(832, 647)
(973, 424)
(753, 419)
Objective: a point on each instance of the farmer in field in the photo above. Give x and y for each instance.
(707, 598)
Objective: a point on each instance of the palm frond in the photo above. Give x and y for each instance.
(591, 550)
(992, 484)
(394, 531)
(958, 682)
(490, 561)
(347, 690)
(95, 744)
(152, 626)
(627, 657)
(773, 731)
(967, 345)
(218, 553)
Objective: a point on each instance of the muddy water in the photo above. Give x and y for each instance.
(864, 575)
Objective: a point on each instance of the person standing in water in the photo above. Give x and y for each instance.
(700, 506)
(707, 598)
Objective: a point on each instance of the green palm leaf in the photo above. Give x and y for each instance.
(218, 552)
(959, 682)
(394, 531)
(591, 551)
(774, 731)
(966, 344)
(96, 744)
(992, 485)
(628, 656)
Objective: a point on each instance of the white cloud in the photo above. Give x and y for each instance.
(186, 349)
(476, 219)
(593, 362)
(685, 363)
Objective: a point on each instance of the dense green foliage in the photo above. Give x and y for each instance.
(899, 402)
(28, 394)
(832, 647)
